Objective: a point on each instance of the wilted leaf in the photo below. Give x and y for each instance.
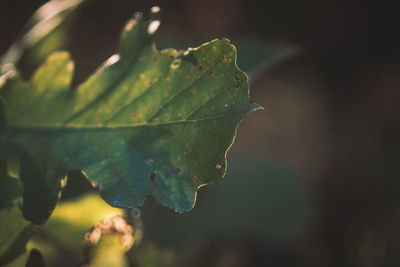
(145, 123)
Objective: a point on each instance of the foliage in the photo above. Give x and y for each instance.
(147, 122)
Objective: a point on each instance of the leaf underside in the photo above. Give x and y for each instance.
(146, 123)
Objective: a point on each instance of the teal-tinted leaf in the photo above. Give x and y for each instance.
(147, 122)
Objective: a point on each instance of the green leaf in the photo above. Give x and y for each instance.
(108, 253)
(149, 255)
(75, 217)
(44, 31)
(147, 122)
(15, 231)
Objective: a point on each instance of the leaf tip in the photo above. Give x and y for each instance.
(255, 107)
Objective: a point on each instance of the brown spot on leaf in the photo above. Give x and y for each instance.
(237, 86)
(218, 166)
(195, 178)
(200, 67)
(214, 48)
(237, 78)
(211, 73)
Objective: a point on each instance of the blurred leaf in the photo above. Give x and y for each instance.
(10, 188)
(83, 212)
(19, 261)
(256, 55)
(152, 256)
(146, 123)
(259, 200)
(15, 231)
(43, 33)
(61, 239)
(109, 252)
(35, 259)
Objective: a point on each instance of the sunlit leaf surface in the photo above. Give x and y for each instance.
(147, 122)
(61, 238)
(109, 253)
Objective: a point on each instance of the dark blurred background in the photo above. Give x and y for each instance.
(313, 179)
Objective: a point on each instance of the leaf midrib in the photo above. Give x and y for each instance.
(100, 128)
